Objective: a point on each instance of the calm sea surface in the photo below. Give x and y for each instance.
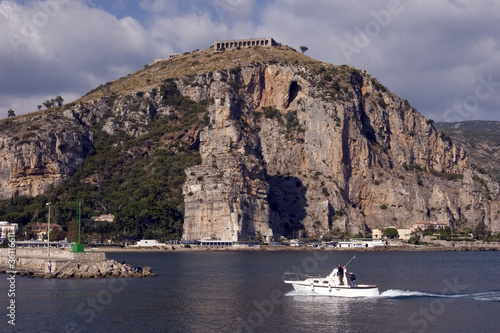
(230, 291)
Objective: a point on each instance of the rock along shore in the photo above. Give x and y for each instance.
(66, 265)
(105, 269)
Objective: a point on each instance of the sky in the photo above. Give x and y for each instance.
(443, 56)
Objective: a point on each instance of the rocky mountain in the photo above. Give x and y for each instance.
(481, 139)
(35, 156)
(268, 141)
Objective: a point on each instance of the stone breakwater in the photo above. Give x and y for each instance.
(104, 269)
(64, 265)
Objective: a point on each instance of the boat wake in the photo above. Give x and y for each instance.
(489, 296)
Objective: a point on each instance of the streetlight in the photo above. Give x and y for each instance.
(48, 229)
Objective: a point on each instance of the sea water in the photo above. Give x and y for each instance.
(233, 291)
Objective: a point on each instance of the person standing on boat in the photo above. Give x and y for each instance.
(353, 279)
(340, 273)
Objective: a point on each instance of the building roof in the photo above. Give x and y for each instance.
(7, 224)
(40, 226)
(104, 218)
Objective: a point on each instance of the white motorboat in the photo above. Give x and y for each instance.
(331, 285)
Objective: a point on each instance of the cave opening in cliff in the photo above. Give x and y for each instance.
(292, 92)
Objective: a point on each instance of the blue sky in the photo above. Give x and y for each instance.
(124, 8)
(442, 56)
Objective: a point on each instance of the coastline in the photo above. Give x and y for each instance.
(401, 247)
(103, 267)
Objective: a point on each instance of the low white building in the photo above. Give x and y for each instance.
(104, 218)
(64, 244)
(6, 228)
(297, 243)
(362, 243)
(150, 243)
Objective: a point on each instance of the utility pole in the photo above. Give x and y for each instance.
(48, 230)
(79, 220)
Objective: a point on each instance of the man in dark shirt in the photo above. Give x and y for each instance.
(340, 273)
(353, 279)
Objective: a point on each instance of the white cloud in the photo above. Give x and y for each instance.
(430, 52)
(66, 49)
(188, 32)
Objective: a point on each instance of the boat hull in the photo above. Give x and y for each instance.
(337, 283)
(339, 291)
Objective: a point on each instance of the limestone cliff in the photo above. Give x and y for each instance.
(38, 152)
(337, 152)
(286, 146)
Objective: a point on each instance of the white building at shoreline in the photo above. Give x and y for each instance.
(149, 243)
(6, 228)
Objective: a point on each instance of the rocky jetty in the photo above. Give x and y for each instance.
(65, 265)
(104, 269)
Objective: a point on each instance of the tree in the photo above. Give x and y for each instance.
(72, 233)
(39, 107)
(48, 104)
(304, 49)
(28, 233)
(481, 231)
(11, 113)
(391, 233)
(95, 238)
(431, 230)
(414, 240)
(59, 100)
(57, 235)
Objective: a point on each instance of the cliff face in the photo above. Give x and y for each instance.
(347, 154)
(37, 153)
(284, 148)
